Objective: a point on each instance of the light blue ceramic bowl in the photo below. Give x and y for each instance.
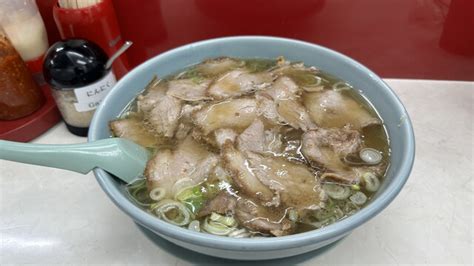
(383, 98)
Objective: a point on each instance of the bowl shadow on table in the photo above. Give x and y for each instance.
(201, 259)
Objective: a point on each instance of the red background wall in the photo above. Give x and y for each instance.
(427, 39)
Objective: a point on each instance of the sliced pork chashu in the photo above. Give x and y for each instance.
(305, 77)
(263, 134)
(185, 120)
(279, 104)
(236, 114)
(223, 203)
(154, 91)
(273, 180)
(294, 114)
(331, 108)
(295, 184)
(224, 135)
(189, 89)
(265, 220)
(243, 177)
(190, 160)
(328, 147)
(252, 138)
(284, 88)
(257, 139)
(160, 111)
(164, 117)
(217, 66)
(133, 129)
(238, 82)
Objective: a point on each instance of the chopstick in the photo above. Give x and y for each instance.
(74, 4)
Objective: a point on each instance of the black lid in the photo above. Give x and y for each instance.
(74, 63)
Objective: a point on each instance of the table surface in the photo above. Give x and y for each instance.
(55, 216)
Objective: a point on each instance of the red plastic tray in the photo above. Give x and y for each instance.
(32, 126)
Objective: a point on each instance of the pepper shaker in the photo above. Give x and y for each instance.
(25, 28)
(19, 94)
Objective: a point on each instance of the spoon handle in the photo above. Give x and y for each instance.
(119, 52)
(110, 154)
(80, 158)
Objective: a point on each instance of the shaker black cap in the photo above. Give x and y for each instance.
(74, 63)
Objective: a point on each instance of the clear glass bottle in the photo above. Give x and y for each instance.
(24, 27)
(75, 70)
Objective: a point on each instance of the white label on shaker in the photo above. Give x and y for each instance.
(89, 97)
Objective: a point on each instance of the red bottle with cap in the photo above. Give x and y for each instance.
(97, 23)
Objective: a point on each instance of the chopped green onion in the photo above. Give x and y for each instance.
(323, 214)
(216, 228)
(225, 220)
(181, 185)
(194, 204)
(350, 208)
(194, 226)
(192, 197)
(371, 182)
(370, 156)
(324, 222)
(338, 213)
(172, 211)
(139, 193)
(239, 233)
(330, 204)
(337, 191)
(353, 159)
(293, 215)
(358, 198)
(157, 193)
(355, 187)
(190, 192)
(341, 85)
(137, 184)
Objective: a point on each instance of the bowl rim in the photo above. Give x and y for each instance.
(338, 229)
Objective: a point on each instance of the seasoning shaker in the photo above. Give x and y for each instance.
(76, 71)
(25, 29)
(19, 94)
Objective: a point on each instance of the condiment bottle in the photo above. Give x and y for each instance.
(93, 20)
(25, 29)
(19, 94)
(75, 70)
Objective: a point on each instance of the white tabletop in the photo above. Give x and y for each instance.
(55, 216)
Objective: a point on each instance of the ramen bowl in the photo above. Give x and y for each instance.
(384, 100)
